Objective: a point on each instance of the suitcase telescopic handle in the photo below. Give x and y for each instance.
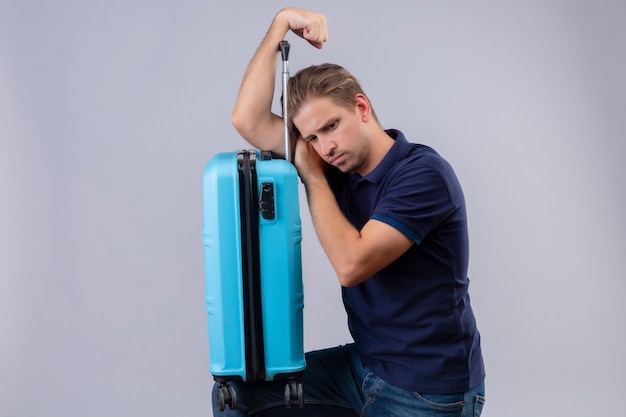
(284, 52)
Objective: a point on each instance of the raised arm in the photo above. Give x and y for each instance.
(252, 115)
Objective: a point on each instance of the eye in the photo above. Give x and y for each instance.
(332, 125)
(311, 138)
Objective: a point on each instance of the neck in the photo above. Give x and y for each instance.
(379, 145)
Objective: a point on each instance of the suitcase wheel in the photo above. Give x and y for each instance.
(225, 395)
(294, 393)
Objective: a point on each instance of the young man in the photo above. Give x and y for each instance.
(390, 216)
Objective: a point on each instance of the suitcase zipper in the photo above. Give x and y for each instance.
(253, 315)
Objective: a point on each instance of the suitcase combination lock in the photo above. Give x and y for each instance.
(266, 201)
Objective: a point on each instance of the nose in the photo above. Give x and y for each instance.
(327, 146)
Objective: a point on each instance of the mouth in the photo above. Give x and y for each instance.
(337, 159)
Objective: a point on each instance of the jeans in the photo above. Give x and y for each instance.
(337, 384)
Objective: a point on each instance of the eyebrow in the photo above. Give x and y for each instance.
(325, 126)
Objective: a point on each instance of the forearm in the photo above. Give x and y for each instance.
(355, 254)
(338, 237)
(252, 115)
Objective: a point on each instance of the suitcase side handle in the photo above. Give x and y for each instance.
(284, 52)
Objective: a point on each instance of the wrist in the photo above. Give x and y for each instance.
(313, 181)
(281, 22)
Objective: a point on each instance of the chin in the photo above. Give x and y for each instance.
(347, 169)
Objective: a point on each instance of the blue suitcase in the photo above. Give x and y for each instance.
(253, 268)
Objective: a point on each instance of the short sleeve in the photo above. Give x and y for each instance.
(418, 197)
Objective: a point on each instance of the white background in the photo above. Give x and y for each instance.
(109, 111)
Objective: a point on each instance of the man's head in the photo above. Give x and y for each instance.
(325, 80)
(328, 108)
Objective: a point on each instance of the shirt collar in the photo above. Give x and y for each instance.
(395, 154)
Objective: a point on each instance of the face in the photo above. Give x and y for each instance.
(339, 135)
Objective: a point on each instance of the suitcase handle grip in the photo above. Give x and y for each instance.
(284, 52)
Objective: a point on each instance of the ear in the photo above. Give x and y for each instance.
(363, 107)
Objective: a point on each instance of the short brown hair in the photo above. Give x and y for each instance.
(325, 80)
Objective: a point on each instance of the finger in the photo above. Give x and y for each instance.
(316, 41)
(318, 45)
(316, 32)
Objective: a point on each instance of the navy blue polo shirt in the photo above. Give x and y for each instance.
(412, 322)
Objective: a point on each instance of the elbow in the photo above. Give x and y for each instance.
(251, 130)
(241, 124)
(351, 274)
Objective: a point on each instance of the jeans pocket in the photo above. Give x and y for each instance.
(479, 402)
(441, 401)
